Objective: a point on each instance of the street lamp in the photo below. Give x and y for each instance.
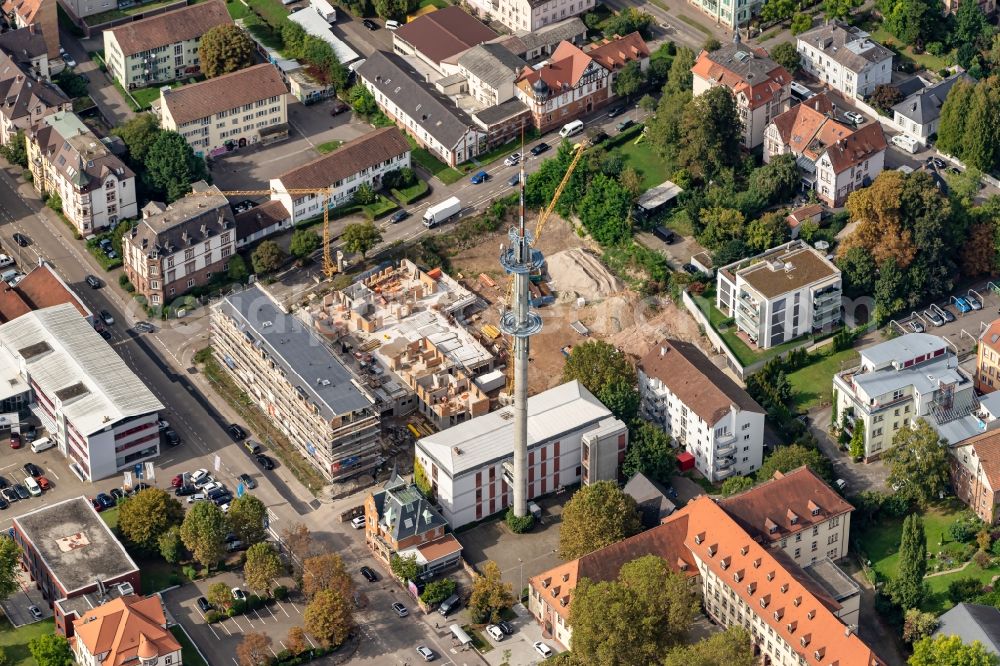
(520, 578)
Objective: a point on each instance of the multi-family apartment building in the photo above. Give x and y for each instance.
(430, 118)
(27, 99)
(919, 115)
(780, 294)
(762, 87)
(161, 48)
(975, 474)
(27, 48)
(542, 43)
(126, 630)
(228, 112)
(988, 359)
(180, 246)
(615, 54)
(795, 615)
(489, 71)
(845, 58)
(400, 521)
(43, 16)
(290, 372)
(704, 411)
(441, 36)
(572, 438)
(899, 381)
(362, 161)
(834, 159)
(96, 410)
(527, 16)
(729, 13)
(566, 86)
(68, 160)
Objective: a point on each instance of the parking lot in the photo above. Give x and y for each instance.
(964, 331)
(16, 606)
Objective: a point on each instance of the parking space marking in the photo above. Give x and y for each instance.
(54, 475)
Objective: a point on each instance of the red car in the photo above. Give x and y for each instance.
(98, 507)
(15, 440)
(177, 481)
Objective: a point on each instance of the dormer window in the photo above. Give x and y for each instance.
(738, 575)
(698, 538)
(712, 550)
(792, 517)
(546, 582)
(804, 641)
(811, 614)
(791, 627)
(751, 588)
(813, 508)
(784, 588)
(765, 600)
(744, 550)
(770, 576)
(724, 563)
(796, 601)
(756, 563)
(779, 613)
(818, 654)
(770, 525)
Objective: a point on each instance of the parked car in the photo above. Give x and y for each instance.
(936, 162)
(223, 500)
(138, 488)
(35, 611)
(543, 649)
(93, 281)
(237, 433)
(197, 497)
(238, 594)
(184, 491)
(32, 470)
(934, 317)
(3, 503)
(9, 494)
(143, 327)
(15, 440)
(210, 488)
(666, 235)
(252, 446)
(855, 117)
(391, 24)
(107, 318)
(177, 481)
(358, 522)
(116, 494)
(233, 546)
(915, 326)
(173, 439)
(539, 149)
(948, 316)
(974, 302)
(617, 111)
(399, 216)
(480, 177)
(106, 500)
(425, 652)
(203, 605)
(400, 609)
(199, 475)
(369, 574)
(690, 268)
(514, 180)
(624, 125)
(34, 489)
(506, 627)
(495, 632)
(4, 483)
(22, 240)
(248, 481)
(800, 92)
(962, 305)
(265, 461)
(370, 24)
(43, 483)
(512, 159)
(338, 107)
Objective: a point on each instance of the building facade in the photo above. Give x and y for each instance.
(28, 99)
(568, 85)
(528, 16)
(988, 359)
(161, 48)
(231, 111)
(68, 160)
(44, 16)
(975, 474)
(572, 438)
(781, 294)
(362, 161)
(919, 115)
(180, 246)
(762, 87)
(295, 378)
(27, 48)
(702, 409)
(845, 58)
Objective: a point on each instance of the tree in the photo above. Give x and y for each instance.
(596, 516)
(490, 594)
(171, 166)
(954, 111)
(731, 647)
(171, 546)
(711, 134)
(950, 651)
(785, 55)
(629, 80)
(679, 79)
(721, 226)
(649, 452)
(219, 595)
(404, 568)
(328, 617)
(837, 9)
(238, 271)
(362, 101)
(971, 27)
(908, 589)
(801, 22)
(390, 9)
(885, 96)
(51, 650)
(910, 21)
(298, 542)
(979, 254)
(139, 134)
(647, 103)
(295, 642)
(326, 572)
(736, 484)
(223, 49)
(774, 11)
(262, 566)
(143, 519)
(16, 151)
(254, 650)
(917, 625)
(604, 211)
(204, 531)
(627, 21)
(304, 242)
(918, 463)
(361, 237)
(246, 518)
(10, 564)
(786, 458)
(859, 270)
(613, 620)
(767, 231)
(437, 591)
(266, 258)
(711, 44)
(54, 201)
(631, 182)
(608, 374)
(857, 446)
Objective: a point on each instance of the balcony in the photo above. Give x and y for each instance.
(727, 450)
(724, 474)
(725, 463)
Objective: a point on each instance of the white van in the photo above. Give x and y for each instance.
(907, 143)
(495, 631)
(33, 488)
(42, 444)
(569, 129)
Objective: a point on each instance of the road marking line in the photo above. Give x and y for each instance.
(54, 475)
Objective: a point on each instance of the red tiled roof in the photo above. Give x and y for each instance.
(444, 33)
(987, 449)
(759, 91)
(991, 336)
(125, 629)
(564, 69)
(615, 54)
(244, 86)
(857, 147)
(40, 288)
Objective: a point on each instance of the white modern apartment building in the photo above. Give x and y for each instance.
(702, 409)
(899, 381)
(845, 58)
(362, 161)
(526, 16)
(572, 438)
(179, 246)
(730, 13)
(295, 378)
(228, 112)
(67, 159)
(762, 87)
(96, 410)
(780, 294)
(161, 48)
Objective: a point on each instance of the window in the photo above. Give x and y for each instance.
(815, 530)
(189, 254)
(832, 539)
(190, 283)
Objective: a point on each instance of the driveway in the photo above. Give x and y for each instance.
(518, 648)
(15, 607)
(100, 88)
(859, 476)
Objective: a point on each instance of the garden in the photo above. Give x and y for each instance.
(14, 642)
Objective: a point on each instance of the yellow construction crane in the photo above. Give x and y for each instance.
(329, 266)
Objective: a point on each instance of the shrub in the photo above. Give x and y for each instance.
(213, 616)
(280, 593)
(437, 591)
(238, 608)
(982, 559)
(962, 531)
(122, 280)
(964, 589)
(190, 572)
(519, 525)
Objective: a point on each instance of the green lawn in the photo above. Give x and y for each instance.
(328, 147)
(189, 655)
(408, 195)
(381, 207)
(440, 4)
(925, 59)
(15, 641)
(695, 24)
(436, 167)
(272, 10)
(237, 10)
(679, 222)
(641, 157)
(812, 384)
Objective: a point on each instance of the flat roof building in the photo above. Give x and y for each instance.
(70, 551)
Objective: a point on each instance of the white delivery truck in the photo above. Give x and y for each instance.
(325, 9)
(440, 212)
